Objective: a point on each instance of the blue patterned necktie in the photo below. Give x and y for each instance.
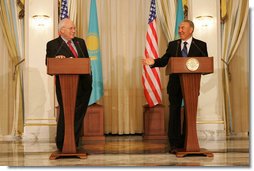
(184, 50)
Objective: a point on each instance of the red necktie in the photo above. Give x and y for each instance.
(72, 49)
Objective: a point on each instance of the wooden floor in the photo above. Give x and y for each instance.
(126, 151)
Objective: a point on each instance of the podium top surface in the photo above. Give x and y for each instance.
(57, 66)
(178, 65)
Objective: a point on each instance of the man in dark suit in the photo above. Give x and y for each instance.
(186, 46)
(67, 46)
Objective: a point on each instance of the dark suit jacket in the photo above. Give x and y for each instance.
(198, 48)
(59, 47)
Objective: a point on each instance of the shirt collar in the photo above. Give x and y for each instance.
(188, 40)
(66, 40)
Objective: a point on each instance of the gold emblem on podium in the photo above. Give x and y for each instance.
(192, 64)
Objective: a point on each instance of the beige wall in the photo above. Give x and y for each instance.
(210, 107)
(38, 86)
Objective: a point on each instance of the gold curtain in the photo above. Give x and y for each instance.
(12, 31)
(72, 9)
(232, 33)
(122, 27)
(166, 15)
(6, 89)
(239, 86)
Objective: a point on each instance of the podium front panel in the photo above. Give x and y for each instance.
(57, 66)
(177, 65)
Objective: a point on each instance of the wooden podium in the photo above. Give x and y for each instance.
(68, 70)
(190, 70)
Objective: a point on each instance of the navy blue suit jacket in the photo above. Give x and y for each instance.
(59, 47)
(198, 48)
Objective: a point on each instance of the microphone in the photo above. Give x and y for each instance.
(80, 48)
(178, 43)
(202, 52)
(60, 47)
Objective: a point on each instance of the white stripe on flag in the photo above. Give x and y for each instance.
(149, 90)
(152, 77)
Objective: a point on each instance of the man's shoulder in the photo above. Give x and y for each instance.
(174, 42)
(198, 41)
(54, 40)
(78, 39)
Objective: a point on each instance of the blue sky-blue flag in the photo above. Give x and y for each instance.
(179, 17)
(93, 46)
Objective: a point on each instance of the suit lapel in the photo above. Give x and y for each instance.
(178, 47)
(193, 49)
(179, 51)
(65, 49)
(77, 44)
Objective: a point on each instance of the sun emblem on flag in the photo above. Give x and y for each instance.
(92, 42)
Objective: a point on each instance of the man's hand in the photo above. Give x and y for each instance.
(60, 56)
(148, 61)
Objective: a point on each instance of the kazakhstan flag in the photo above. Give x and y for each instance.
(93, 46)
(179, 17)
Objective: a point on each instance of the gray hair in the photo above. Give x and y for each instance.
(62, 23)
(190, 23)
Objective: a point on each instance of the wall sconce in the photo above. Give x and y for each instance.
(204, 21)
(41, 21)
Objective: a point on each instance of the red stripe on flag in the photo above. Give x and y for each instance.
(157, 77)
(153, 31)
(151, 76)
(148, 97)
(152, 84)
(155, 73)
(154, 51)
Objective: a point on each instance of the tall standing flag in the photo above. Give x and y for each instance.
(93, 46)
(64, 9)
(151, 76)
(179, 17)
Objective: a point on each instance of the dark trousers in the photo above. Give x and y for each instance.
(83, 96)
(175, 135)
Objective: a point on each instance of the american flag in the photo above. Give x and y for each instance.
(151, 76)
(64, 10)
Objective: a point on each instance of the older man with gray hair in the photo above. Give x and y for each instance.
(69, 46)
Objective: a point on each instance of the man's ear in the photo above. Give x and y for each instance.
(60, 32)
